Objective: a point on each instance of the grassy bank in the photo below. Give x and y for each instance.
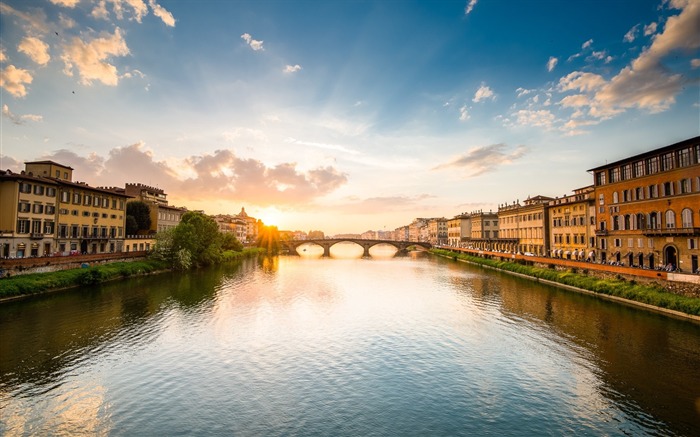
(645, 293)
(35, 283)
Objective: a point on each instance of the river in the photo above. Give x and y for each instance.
(414, 345)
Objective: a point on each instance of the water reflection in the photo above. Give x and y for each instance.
(411, 346)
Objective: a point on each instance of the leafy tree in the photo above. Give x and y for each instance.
(230, 242)
(269, 239)
(199, 235)
(132, 228)
(141, 213)
(316, 235)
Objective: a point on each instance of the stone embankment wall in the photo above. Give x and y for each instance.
(23, 266)
(683, 284)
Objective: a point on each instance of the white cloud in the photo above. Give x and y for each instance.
(484, 159)
(650, 29)
(162, 13)
(65, 3)
(91, 59)
(483, 93)
(695, 63)
(254, 44)
(13, 80)
(631, 35)
(587, 44)
(19, 119)
(36, 49)
(463, 113)
(292, 68)
(3, 56)
(581, 81)
(552, 63)
(538, 118)
(523, 92)
(469, 7)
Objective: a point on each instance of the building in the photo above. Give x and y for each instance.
(524, 228)
(45, 213)
(458, 230)
(572, 225)
(484, 230)
(163, 216)
(647, 208)
(437, 231)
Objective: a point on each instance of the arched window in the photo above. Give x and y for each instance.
(615, 198)
(670, 219)
(687, 218)
(627, 224)
(616, 223)
(653, 221)
(641, 221)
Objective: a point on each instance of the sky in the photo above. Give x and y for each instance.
(345, 116)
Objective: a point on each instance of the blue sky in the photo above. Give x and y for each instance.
(345, 116)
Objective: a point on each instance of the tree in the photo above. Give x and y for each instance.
(132, 228)
(269, 239)
(230, 242)
(199, 235)
(141, 213)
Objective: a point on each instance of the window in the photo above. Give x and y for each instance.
(668, 189)
(48, 227)
(685, 157)
(691, 243)
(618, 242)
(74, 232)
(685, 186)
(87, 200)
(105, 203)
(654, 221)
(95, 214)
(25, 187)
(77, 198)
(62, 231)
(39, 190)
(627, 171)
(652, 165)
(36, 226)
(600, 178)
(38, 208)
(96, 201)
(602, 225)
(667, 161)
(74, 212)
(58, 174)
(50, 209)
(65, 175)
(22, 226)
(670, 219)
(614, 174)
(615, 197)
(65, 196)
(51, 192)
(626, 195)
(603, 244)
(639, 168)
(601, 200)
(687, 218)
(630, 242)
(24, 207)
(639, 193)
(63, 211)
(653, 191)
(86, 213)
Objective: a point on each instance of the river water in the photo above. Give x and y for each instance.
(414, 345)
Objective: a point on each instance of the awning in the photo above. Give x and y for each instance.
(567, 253)
(591, 254)
(574, 253)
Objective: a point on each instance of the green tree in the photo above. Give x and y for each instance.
(230, 242)
(269, 239)
(141, 213)
(132, 228)
(199, 235)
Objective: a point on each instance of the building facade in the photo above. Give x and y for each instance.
(45, 213)
(572, 225)
(484, 230)
(648, 206)
(458, 230)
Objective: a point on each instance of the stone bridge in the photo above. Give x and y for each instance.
(327, 243)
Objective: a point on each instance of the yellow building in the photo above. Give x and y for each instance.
(524, 228)
(28, 215)
(572, 225)
(45, 213)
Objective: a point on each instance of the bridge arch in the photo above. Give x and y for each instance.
(366, 245)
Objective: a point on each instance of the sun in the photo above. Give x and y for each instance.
(270, 216)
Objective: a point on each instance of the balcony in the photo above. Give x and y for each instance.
(601, 232)
(671, 232)
(36, 235)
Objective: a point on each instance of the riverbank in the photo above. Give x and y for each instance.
(17, 287)
(649, 296)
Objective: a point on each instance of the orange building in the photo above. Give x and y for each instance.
(648, 206)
